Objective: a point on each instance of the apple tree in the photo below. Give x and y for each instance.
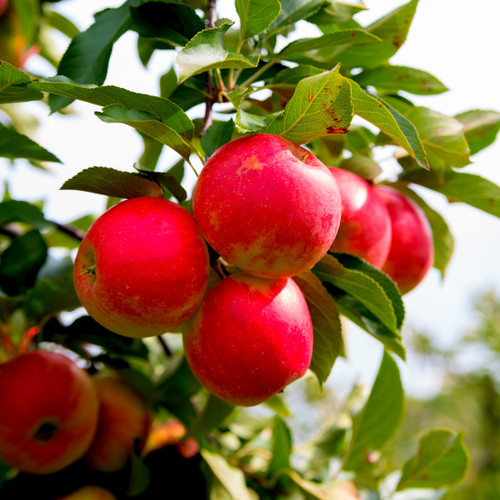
(199, 403)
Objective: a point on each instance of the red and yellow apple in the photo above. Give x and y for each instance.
(90, 492)
(267, 205)
(124, 424)
(365, 225)
(250, 338)
(49, 412)
(169, 433)
(412, 252)
(142, 268)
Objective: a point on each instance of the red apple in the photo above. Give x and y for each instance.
(124, 424)
(267, 205)
(365, 225)
(142, 268)
(49, 412)
(250, 338)
(412, 252)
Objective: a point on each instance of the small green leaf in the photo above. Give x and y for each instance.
(321, 105)
(328, 341)
(389, 121)
(480, 128)
(335, 12)
(281, 446)
(245, 122)
(216, 136)
(206, 51)
(15, 145)
(111, 182)
(442, 460)
(214, 413)
(380, 417)
(167, 181)
(256, 16)
(22, 211)
(393, 78)
(293, 11)
(12, 85)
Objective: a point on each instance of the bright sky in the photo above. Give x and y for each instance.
(452, 39)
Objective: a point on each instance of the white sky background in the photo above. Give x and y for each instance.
(455, 40)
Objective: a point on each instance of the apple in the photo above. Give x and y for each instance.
(250, 338)
(3, 6)
(90, 492)
(49, 412)
(267, 205)
(412, 252)
(124, 424)
(169, 433)
(365, 225)
(142, 267)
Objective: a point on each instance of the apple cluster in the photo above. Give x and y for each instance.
(269, 210)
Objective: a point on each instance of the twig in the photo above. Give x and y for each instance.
(164, 346)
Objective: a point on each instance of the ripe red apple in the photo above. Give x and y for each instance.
(412, 252)
(142, 268)
(267, 205)
(365, 225)
(250, 338)
(49, 412)
(124, 423)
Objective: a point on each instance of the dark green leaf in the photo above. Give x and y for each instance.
(111, 182)
(206, 51)
(321, 105)
(480, 128)
(293, 11)
(442, 460)
(12, 88)
(217, 135)
(22, 211)
(379, 419)
(15, 145)
(359, 139)
(328, 342)
(167, 181)
(281, 446)
(389, 121)
(256, 16)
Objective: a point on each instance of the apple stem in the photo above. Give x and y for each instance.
(89, 270)
(164, 346)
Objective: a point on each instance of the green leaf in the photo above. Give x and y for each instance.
(328, 341)
(15, 145)
(364, 166)
(214, 413)
(87, 57)
(335, 12)
(22, 211)
(293, 11)
(441, 135)
(442, 460)
(281, 446)
(310, 488)
(59, 22)
(256, 16)
(394, 78)
(12, 87)
(392, 29)
(146, 123)
(389, 121)
(216, 136)
(163, 109)
(230, 477)
(111, 182)
(341, 37)
(206, 51)
(167, 181)
(321, 105)
(245, 122)
(380, 417)
(21, 261)
(480, 128)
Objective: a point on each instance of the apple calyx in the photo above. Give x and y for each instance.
(45, 432)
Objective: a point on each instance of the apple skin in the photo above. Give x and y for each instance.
(142, 268)
(90, 492)
(123, 427)
(169, 433)
(412, 252)
(250, 338)
(49, 412)
(365, 225)
(267, 205)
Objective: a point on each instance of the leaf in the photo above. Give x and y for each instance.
(167, 181)
(166, 111)
(15, 145)
(336, 12)
(442, 460)
(293, 11)
(111, 182)
(146, 123)
(310, 488)
(281, 446)
(12, 87)
(441, 135)
(216, 136)
(214, 413)
(394, 78)
(480, 128)
(22, 211)
(256, 16)
(392, 29)
(380, 417)
(321, 105)
(231, 478)
(389, 121)
(206, 51)
(328, 342)
(87, 57)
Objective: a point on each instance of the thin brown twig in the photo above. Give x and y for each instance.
(164, 346)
